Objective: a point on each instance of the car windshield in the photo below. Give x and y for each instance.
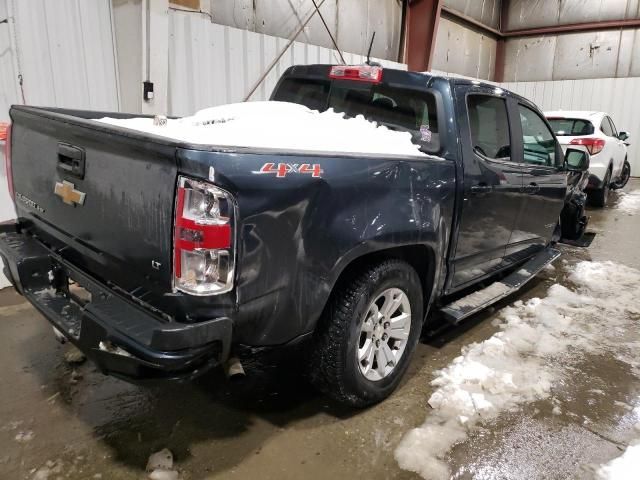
(572, 127)
(396, 108)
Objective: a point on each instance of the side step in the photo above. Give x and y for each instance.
(474, 302)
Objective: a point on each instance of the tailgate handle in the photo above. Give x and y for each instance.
(71, 160)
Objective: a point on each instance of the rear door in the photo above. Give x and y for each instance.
(544, 182)
(492, 182)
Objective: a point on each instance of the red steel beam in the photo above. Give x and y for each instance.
(501, 45)
(574, 27)
(423, 17)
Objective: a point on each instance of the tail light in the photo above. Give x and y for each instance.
(203, 262)
(5, 134)
(594, 145)
(358, 73)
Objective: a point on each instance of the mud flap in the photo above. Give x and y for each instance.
(583, 242)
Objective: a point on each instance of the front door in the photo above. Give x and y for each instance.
(544, 183)
(492, 182)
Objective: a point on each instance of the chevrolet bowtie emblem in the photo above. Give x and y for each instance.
(69, 195)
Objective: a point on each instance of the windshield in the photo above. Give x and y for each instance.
(572, 127)
(396, 108)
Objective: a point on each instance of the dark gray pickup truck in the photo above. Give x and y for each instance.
(161, 259)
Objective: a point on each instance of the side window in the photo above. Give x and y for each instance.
(606, 127)
(614, 130)
(538, 141)
(489, 126)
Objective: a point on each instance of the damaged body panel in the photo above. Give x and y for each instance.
(160, 258)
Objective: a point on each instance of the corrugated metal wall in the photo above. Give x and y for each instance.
(611, 53)
(465, 50)
(352, 22)
(64, 51)
(484, 11)
(211, 64)
(574, 56)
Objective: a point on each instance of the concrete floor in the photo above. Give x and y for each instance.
(272, 426)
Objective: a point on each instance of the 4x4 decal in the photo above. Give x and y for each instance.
(283, 169)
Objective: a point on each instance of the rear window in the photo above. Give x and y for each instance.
(571, 127)
(396, 108)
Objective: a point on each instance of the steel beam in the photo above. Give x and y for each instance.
(423, 17)
(501, 48)
(574, 27)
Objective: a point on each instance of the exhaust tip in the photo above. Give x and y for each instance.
(233, 369)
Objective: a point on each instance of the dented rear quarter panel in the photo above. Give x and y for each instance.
(297, 234)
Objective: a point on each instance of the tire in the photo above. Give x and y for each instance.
(599, 197)
(573, 221)
(624, 177)
(556, 236)
(335, 366)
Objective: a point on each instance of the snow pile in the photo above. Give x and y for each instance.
(160, 466)
(538, 340)
(625, 467)
(279, 125)
(630, 202)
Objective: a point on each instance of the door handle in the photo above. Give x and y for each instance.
(71, 160)
(532, 188)
(481, 188)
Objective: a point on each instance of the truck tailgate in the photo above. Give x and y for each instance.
(106, 198)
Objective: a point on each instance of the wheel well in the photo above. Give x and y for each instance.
(420, 257)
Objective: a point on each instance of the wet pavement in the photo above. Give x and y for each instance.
(73, 423)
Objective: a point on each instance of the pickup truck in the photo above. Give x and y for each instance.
(161, 259)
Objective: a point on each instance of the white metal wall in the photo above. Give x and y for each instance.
(64, 51)
(620, 97)
(211, 64)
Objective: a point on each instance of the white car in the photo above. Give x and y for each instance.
(609, 167)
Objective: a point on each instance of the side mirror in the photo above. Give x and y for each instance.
(623, 136)
(576, 160)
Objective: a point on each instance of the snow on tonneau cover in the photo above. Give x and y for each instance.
(279, 125)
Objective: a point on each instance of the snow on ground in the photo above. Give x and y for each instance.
(625, 467)
(629, 202)
(278, 125)
(537, 341)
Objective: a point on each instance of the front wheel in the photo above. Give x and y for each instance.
(624, 177)
(367, 334)
(573, 220)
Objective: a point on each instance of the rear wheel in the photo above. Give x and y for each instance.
(624, 177)
(599, 197)
(367, 334)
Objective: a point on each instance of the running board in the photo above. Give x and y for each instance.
(474, 302)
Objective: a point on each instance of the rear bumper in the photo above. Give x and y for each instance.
(121, 337)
